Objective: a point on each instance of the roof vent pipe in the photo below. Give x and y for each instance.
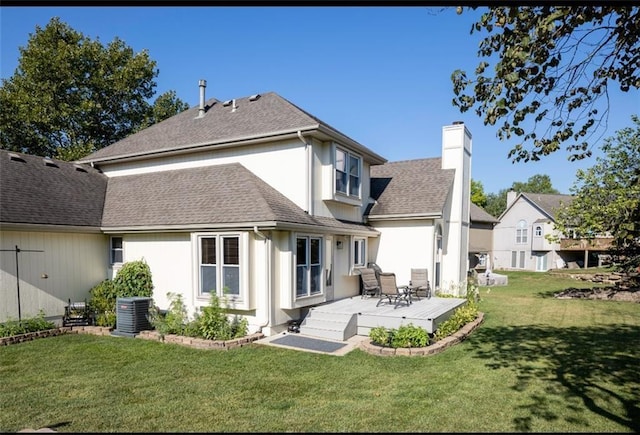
(203, 85)
(233, 105)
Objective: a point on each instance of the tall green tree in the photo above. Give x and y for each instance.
(478, 197)
(548, 69)
(607, 197)
(539, 183)
(71, 95)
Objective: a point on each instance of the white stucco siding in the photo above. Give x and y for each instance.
(346, 283)
(404, 245)
(169, 257)
(283, 165)
(72, 262)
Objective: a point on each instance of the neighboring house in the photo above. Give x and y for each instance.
(257, 200)
(520, 242)
(481, 238)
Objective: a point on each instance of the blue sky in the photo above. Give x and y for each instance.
(380, 75)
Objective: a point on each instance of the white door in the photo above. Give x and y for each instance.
(541, 263)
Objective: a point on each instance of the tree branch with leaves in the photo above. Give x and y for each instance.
(552, 68)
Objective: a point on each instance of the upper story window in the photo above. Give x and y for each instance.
(348, 173)
(522, 232)
(538, 230)
(117, 252)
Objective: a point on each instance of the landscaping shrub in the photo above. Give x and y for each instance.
(404, 336)
(103, 303)
(24, 326)
(174, 321)
(212, 322)
(133, 279)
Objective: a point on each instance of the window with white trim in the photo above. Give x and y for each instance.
(219, 264)
(308, 266)
(117, 251)
(538, 230)
(517, 259)
(521, 232)
(348, 173)
(359, 252)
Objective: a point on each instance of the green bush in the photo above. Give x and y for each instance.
(103, 303)
(404, 336)
(461, 316)
(212, 322)
(32, 324)
(134, 279)
(174, 321)
(410, 336)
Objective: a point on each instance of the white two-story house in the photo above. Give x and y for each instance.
(252, 199)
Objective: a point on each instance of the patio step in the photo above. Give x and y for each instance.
(333, 326)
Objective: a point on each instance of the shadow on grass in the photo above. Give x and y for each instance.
(575, 363)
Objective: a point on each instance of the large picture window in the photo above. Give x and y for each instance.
(348, 173)
(308, 266)
(220, 265)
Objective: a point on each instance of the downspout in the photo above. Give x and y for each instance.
(267, 241)
(308, 173)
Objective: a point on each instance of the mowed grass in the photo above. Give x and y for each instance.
(536, 364)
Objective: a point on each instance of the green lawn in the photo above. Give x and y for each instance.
(536, 364)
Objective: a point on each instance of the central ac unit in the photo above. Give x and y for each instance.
(132, 316)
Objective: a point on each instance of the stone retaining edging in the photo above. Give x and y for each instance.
(198, 343)
(437, 347)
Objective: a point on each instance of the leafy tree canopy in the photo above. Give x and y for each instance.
(539, 183)
(478, 196)
(607, 197)
(71, 95)
(552, 68)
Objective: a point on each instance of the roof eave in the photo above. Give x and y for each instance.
(407, 216)
(54, 228)
(243, 226)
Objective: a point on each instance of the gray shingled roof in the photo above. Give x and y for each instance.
(60, 193)
(548, 203)
(410, 187)
(478, 214)
(269, 115)
(205, 196)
